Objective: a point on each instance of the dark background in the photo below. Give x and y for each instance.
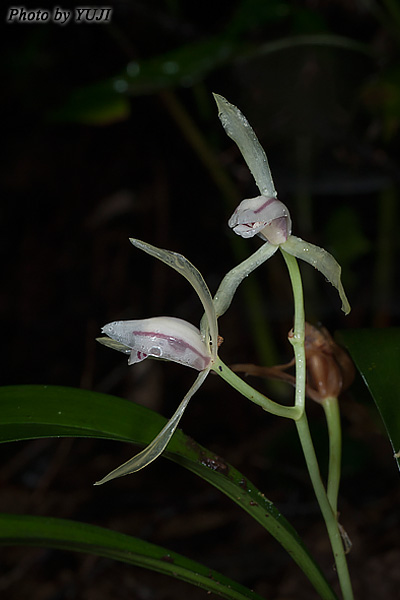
(109, 131)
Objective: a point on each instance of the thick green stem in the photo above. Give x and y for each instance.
(327, 504)
(291, 412)
(332, 414)
(326, 508)
(297, 339)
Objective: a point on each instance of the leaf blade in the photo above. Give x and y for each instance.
(29, 412)
(65, 534)
(376, 355)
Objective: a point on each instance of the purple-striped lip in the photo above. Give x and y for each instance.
(175, 342)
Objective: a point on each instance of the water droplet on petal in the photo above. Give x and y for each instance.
(155, 351)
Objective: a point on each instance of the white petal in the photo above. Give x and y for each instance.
(189, 271)
(267, 216)
(159, 443)
(161, 337)
(249, 230)
(321, 260)
(239, 130)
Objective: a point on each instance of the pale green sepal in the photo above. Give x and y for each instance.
(239, 130)
(158, 445)
(106, 341)
(232, 280)
(195, 278)
(321, 260)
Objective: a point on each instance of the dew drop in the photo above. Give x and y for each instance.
(155, 351)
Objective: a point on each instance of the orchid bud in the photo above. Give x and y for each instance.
(329, 368)
(268, 217)
(168, 338)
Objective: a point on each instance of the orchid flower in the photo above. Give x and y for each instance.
(265, 215)
(166, 338)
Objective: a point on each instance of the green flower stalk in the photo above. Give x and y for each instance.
(269, 218)
(172, 339)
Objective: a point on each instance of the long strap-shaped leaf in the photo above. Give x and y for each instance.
(64, 534)
(28, 412)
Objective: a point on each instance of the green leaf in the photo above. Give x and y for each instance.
(256, 13)
(70, 535)
(376, 354)
(28, 412)
(107, 101)
(98, 104)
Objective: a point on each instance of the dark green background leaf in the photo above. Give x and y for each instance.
(376, 354)
(70, 535)
(28, 412)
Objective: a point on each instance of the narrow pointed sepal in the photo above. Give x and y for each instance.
(232, 280)
(158, 445)
(321, 260)
(239, 130)
(115, 345)
(195, 278)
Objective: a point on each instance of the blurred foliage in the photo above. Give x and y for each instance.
(376, 354)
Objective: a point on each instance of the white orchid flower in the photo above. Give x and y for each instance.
(265, 215)
(166, 338)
